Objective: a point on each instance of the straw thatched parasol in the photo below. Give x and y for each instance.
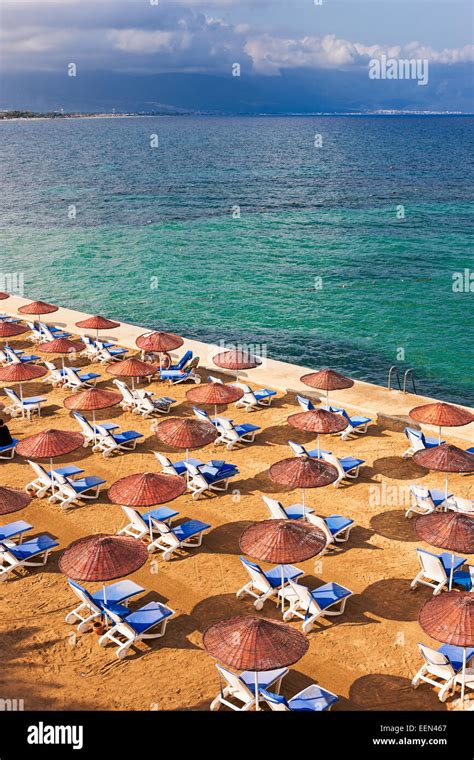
(302, 472)
(61, 347)
(159, 342)
(49, 444)
(102, 557)
(215, 394)
(236, 359)
(187, 433)
(253, 643)
(441, 415)
(4, 296)
(97, 323)
(133, 368)
(318, 421)
(92, 399)
(327, 380)
(12, 500)
(37, 308)
(21, 373)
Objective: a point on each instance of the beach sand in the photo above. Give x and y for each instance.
(368, 656)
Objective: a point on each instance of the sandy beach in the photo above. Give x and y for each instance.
(367, 657)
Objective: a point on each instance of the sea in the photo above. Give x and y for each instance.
(326, 241)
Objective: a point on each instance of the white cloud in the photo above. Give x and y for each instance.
(272, 54)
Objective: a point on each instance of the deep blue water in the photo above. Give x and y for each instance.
(155, 242)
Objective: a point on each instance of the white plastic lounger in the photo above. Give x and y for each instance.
(147, 406)
(305, 403)
(70, 492)
(251, 400)
(187, 535)
(43, 483)
(279, 512)
(436, 570)
(201, 414)
(301, 451)
(56, 376)
(31, 553)
(348, 468)
(148, 622)
(175, 468)
(230, 434)
(74, 380)
(26, 406)
(91, 434)
(92, 604)
(8, 451)
(141, 526)
(426, 500)
(12, 533)
(312, 699)
(107, 355)
(336, 528)
(456, 504)
(109, 443)
(208, 478)
(329, 599)
(441, 668)
(242, 687)
(418, 442)
(264, 585)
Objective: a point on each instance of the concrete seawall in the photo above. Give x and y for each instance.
(391, 408)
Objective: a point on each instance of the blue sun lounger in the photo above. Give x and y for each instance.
(93, 604)
(305, 403)
(8, 451)
(26, 554)
(266, 584)
(14, 530)
(149, 622)
(311, 699)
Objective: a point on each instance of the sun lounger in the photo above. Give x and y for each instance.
(43, 482)
(441, 667)
(8, 451)
(279, 512)
(49, 333)
(329, 599)
(56, 376)
(347, 467)
(17, 357)
(91, 433)
(418, 442)
(251, 399)
(70, 492)
(436, 570)
(336, 528)
(147, 406)
(230, 434)
(188, 372)
(13, 532)
(107, 355)
(204, 416)
(426, 500)
(109, 443)
(141, 526)
(26, 407)
(300, 451)
(208, 477)
(74, 380)
(175, 468)
(148, 622)
(264, 585)
(93, 604)
(31, 553)
(457, 504)
(187, 535)
(242, 687)
(356, 424)
(311, 699)
(305, 403)
(36, 336)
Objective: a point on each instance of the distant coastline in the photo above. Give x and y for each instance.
(18, 115)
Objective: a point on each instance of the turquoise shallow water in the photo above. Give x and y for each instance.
(154, 240)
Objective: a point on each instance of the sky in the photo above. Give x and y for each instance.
(294, 55)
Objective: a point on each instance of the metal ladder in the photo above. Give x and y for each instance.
(409, 373)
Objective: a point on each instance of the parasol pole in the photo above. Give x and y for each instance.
(21, 393)
(452, 572)
(463, 683)
(304, 509)
(93, 426)
(256, 692)
(319, 448)
(52, 475)
(439, 435)
(446, 489)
